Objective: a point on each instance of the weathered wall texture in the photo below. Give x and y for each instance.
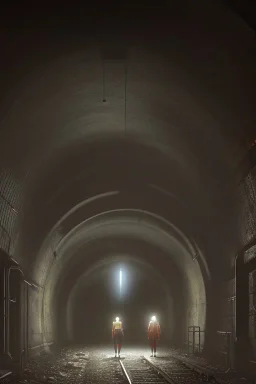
(248, 238)
(247, 235)
(35, 335)
(247, 191)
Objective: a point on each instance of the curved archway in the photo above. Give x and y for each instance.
(113, 262)
(171, 119)
(103, 233)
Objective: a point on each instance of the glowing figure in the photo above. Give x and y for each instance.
(117, 335)
(154, 332)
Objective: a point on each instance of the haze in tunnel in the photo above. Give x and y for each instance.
(97, 301)
(185, 279)
(127, 132)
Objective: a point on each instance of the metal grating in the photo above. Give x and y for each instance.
(9, 209)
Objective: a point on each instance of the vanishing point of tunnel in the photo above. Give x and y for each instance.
(127, 188)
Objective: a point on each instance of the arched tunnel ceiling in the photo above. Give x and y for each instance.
(175, 105)
(135, 201)
(83, 264)
(205, 64)
(104, 233)
(91, 246)
(133, 153)
(143, 181)
(164, 261)
(132, 264)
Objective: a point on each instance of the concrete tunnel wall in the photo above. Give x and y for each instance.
(49, 113)
(195, 303)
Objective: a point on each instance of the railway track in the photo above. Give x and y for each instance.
(144, 370)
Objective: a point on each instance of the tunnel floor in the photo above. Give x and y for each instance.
(97, 364)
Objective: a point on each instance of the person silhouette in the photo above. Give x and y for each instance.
(117, 335)
(154, 332)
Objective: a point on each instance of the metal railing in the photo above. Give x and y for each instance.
(194, 333)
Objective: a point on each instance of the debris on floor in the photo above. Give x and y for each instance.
(90, 365)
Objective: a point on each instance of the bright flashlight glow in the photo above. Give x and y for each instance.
(120, 280)
(153, 318)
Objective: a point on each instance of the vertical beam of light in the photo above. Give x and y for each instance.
(120, 281)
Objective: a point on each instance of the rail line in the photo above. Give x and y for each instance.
(172, 371)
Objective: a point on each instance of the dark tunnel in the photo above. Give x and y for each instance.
(140, 298)
(139, 279)
(128, 143)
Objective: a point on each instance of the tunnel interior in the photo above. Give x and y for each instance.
(164, 272)
(142, 294)
(128, 145)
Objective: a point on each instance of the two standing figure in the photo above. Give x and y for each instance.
(118, 334)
